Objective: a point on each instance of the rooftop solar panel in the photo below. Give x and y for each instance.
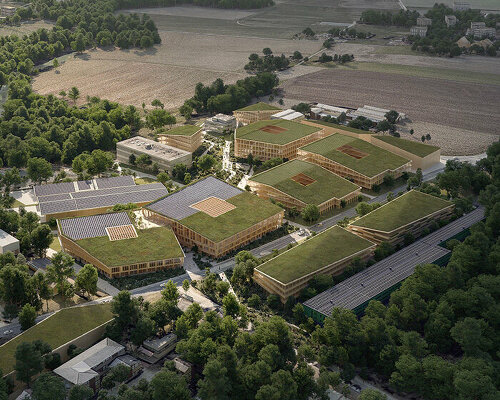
(54, 197)
(54, 188)
(116, 181)
(117, 190)
(92, 226)
(177, 205)
(54, 207)
(84, 185)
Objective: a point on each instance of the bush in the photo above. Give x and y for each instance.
(254, 301)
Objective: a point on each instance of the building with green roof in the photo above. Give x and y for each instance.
(255, 112)
(354, 159)
(184, 137)
(327, 253)
(297, 183)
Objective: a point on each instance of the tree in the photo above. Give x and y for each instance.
(27, 316)
(59, 270)
(159, 117)
(41, 237)
(310, 213)
(392, 116)
(185, 285)
(74, 94)
(297, 55)
(29, 362)
(144, 329)
(80, 392)
(86, 280)
(170, 293)
(163, 177)
(215, 384)
(3, 388)
(157, 104)
(167, 385)
(186, 111)
(230, 305)
(39, 169)
(372, 394)
(206, 161)
(48, 387)
(187, 178)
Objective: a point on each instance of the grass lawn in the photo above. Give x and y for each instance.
(56, 330)
(55, 245)
(249, 211)
(261, 106)
(417, 148)
(321, 250)
(184, 130)
(291, 131)
(326, 184)
(340, 127)
(144, 180)
(375, 162)
(150, 245)
(401, 211)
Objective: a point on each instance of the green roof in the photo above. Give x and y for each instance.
(326, 184)
(413, 147)
(291, 131)
(183, 130)
(326, 248)
(259, 107)
(249, 211)
(375, 161)
(150, 245)
(341, 127)
(401, 211)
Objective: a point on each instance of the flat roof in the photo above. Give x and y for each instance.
(248, 209)
(341, 127)
(401, 211)
(6, 239)
(93, 225)
(261, 106)
(283, 132)
(154, 149)
(184, 130)
(365, 285)
(323, 185)
(51, 189)
(411, 146)
(328, 247)
(365, 158)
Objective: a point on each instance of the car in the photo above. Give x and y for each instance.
(8, 332)
(356, 388)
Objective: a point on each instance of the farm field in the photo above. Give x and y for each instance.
(168, 72)
(481, 4)
(25, 28)
(464, 106)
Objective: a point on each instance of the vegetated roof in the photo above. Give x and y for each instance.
(93, 225)
(404, 209)
(261, 106)
(151, 244)
(328, 247)
(413, 147)
(249, 208)
(183, 130)
(341, 127)
(376, 161)
(325, 186)
(289, 131)
(62, 327)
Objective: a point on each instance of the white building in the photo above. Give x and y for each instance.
(422, 21)
(289, 115)
(479, 30)
(461, 6)
(8, 243)
(8, 10)
(374, 114)
(450, 20)
(221, 123)
(418, 31)
(323, 110)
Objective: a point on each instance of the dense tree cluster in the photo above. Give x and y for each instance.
(401, 18)
(267, 63)
(221, 98)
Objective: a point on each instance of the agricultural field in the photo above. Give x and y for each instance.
(445, 103)
(25, 28)
(490, 5)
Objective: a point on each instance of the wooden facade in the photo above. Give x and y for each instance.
(348, 173)
(183, 142)
(248, 117)
(189, 238)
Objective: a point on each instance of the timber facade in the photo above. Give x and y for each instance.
(183, 142)
(248, 117)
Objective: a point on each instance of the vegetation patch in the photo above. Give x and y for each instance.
(260, 132)
(260, 106)
(419, 149)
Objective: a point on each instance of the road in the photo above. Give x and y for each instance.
(13, 329)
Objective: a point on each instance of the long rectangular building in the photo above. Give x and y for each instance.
(255, 112)
(274, 138)
(327, 253)
(185, 137)
(215, 216)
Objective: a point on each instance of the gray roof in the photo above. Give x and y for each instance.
(79, 369)
(54, 188)
(115, 181)
(71, 187)
(367, 284)
(92, 226)
(6, 239)
(178, 204)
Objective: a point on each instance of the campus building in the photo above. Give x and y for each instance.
(91, 197)
(214, 216)
(319, 111)
(327, 253)
(274, 138)
(299, 183)
(354, 159)
(410, 213)
(186, 137)
(166, 157)
(255, 112)
(8, 243)
(418, 31)
(114, 245)
(220, 124)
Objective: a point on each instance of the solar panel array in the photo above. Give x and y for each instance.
(177, 205)
(115, 181)
(54, 197)
(117, 190)
(84, 185)
(367, 284)
(92, 226)
(54, 188)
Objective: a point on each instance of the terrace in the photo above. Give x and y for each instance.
(275, 131)
(306, 182)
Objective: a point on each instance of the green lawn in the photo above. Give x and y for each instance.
(150, 245)
(55, 245)
(249, 211)
(377, 161)
(56, 330)
(417, 148)
(324, 249)
(184, 130)
(293, 131)
(145, 180)
(259, 107)
(327, 185)
(401, 211)
(341, 127)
